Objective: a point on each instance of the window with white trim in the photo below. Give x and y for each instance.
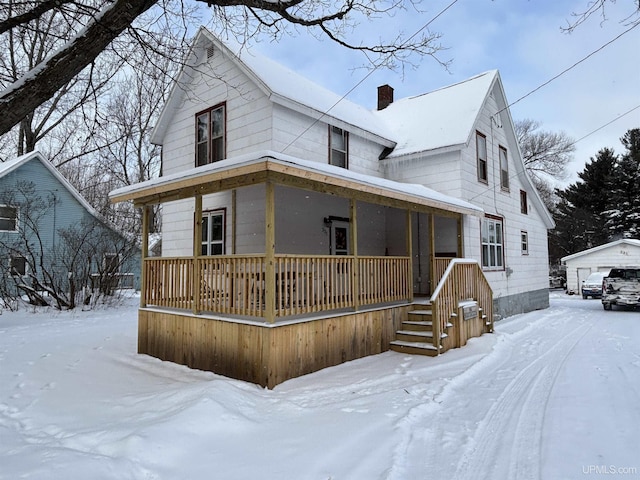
(338, 147)
(492, 244)
(213, 234)
(504, 169)
(210, 135)
(8, 218)
(481, 154)
(524, 242)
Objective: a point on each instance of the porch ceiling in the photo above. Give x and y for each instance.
(284, 170)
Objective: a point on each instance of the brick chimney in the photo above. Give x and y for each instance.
(385, 96)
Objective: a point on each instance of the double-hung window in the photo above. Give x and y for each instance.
(504, 169)
(492, 244)
(8, 218)
(481, 154)
(524, 208)
(111, 263)
(210, 135)
(213, 233)
(524, 242)
(338, 147)
(18, 266)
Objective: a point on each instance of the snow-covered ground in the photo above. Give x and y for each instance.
(553, 394)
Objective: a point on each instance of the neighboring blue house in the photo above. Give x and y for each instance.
(53, 244)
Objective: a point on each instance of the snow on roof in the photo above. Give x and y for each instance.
(440, 118)
(11, 165)
(444, 117)
(289, 85)
(283, 86)
(626, 241)
(419, 191)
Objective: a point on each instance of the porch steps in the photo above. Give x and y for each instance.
(414, 348)
(416, 334)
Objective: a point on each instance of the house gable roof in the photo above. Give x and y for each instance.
(624, 241)
(281, 85)
(438, 119)
(12, 165)
(444, 118)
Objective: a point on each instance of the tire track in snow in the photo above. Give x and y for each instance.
(516, 418)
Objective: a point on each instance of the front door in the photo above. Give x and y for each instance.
(340, 238)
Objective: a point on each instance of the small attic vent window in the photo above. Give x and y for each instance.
(210, 51)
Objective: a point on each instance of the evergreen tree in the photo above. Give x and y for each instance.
(579, 216)
(622, 216)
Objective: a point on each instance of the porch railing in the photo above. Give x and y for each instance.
(303, 284)
(462, 280)
(440, 265)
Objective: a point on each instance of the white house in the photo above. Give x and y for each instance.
(624, 252)
(289, 213)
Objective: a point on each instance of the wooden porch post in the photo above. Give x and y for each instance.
(460, 236)
(270, 254)
(432, 253)
(233, 221)
(353, 226)
(197, 251)
(409, 233)
(144, 254)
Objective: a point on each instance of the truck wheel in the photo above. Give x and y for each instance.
(607, 306)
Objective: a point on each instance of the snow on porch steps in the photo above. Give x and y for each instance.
(414, 348)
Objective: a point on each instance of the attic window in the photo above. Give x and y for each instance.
(210, 51)
(338, 147)
(210, 135)
(481, 154)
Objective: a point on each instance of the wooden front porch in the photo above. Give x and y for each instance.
(212, 313)
(290, 308)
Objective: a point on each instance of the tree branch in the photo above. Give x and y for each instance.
(44, 80)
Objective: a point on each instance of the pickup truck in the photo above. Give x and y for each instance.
(621, 287)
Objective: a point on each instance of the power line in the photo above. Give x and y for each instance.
(607, 124)
(568, 69)
(375, 67)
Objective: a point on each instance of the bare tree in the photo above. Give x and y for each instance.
(100, 22)
(27, 46)
(61, 125)
(599, 8)
(544, 153)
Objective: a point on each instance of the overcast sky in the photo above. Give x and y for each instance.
(520, 38)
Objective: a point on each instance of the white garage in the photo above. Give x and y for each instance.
(600, 259)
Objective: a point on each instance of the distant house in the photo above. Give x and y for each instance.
(301, 230)
(51, 239)
(625, 252)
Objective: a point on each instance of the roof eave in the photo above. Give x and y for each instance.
(250, 170)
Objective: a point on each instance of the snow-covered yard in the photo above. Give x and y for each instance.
(553, 394)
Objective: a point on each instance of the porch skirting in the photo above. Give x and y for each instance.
(267, 354)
